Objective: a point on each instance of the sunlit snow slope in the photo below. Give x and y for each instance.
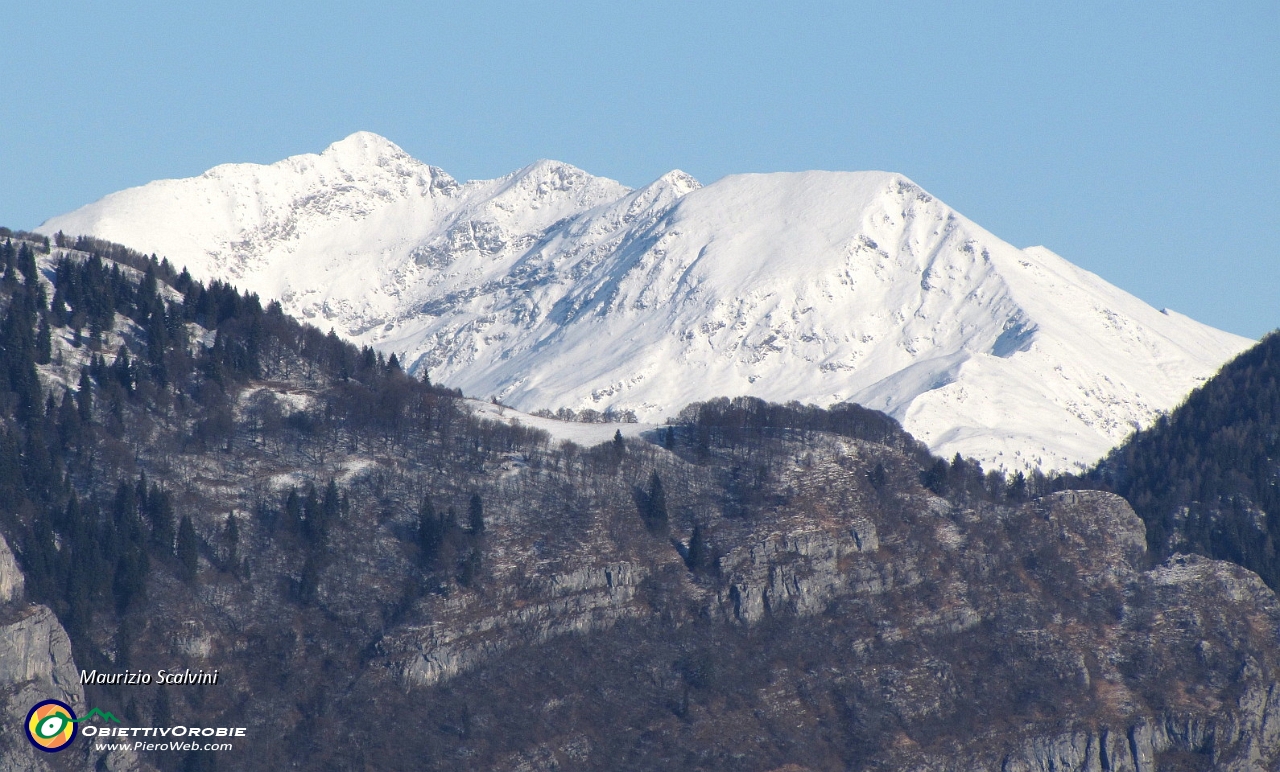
(553, 288)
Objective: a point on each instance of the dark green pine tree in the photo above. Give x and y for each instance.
(321, 514)
(68, 420)
(27, 266)
(293, 511)
(10, 275)
(84, 397)
(309, 581)
(332, 503)
(188, 550)
(1016, 487)
(699, 556)
(122, 369)
(935, 479)
(58, 309)
(131, 575)
(469, 572)
(311, 516)
(159, 512)
(44, 343)
(475, 514)
(654, 506)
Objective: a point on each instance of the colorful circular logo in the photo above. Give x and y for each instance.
(51, 725)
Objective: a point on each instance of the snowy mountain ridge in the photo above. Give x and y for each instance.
(553, 288)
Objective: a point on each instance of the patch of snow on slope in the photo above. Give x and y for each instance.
(584, 434)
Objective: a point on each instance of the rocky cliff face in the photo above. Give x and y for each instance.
(466, 631)
(841, 617)
(12, 583)
(1174, 679)
(35, 664)
(931, 636)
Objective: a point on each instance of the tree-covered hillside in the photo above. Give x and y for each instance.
(1206, 479)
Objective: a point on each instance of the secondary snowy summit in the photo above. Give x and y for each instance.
(553, 288)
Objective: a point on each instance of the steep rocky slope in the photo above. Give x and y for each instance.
(553, 288)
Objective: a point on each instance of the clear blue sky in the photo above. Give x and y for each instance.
(1138, 140)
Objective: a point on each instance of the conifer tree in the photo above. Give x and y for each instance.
(122, 369)
(44, 343)
(84, 397)
(475, 514)
(188, 550)
(469, 572)
(654, 506)
(293, 510)
(699, 556)
(160, 514)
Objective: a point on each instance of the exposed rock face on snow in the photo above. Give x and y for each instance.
(553, 288)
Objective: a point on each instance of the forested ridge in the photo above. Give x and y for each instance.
(62, 453)
(1206, 478)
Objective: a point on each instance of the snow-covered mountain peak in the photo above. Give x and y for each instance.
(546, 182)
(678, 181)
(551, 287)
(363, 147)
(363, 156)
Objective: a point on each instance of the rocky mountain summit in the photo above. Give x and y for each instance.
(552, 288)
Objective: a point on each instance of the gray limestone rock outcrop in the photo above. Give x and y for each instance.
(36, 664)
(12, 582)
(1147, 668)
(794, 572)
(467, 633)
(36, 653)
(1178, 674)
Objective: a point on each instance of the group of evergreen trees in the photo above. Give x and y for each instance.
(965, 479)
(105, 555)
(87, 539)
(445, 547)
